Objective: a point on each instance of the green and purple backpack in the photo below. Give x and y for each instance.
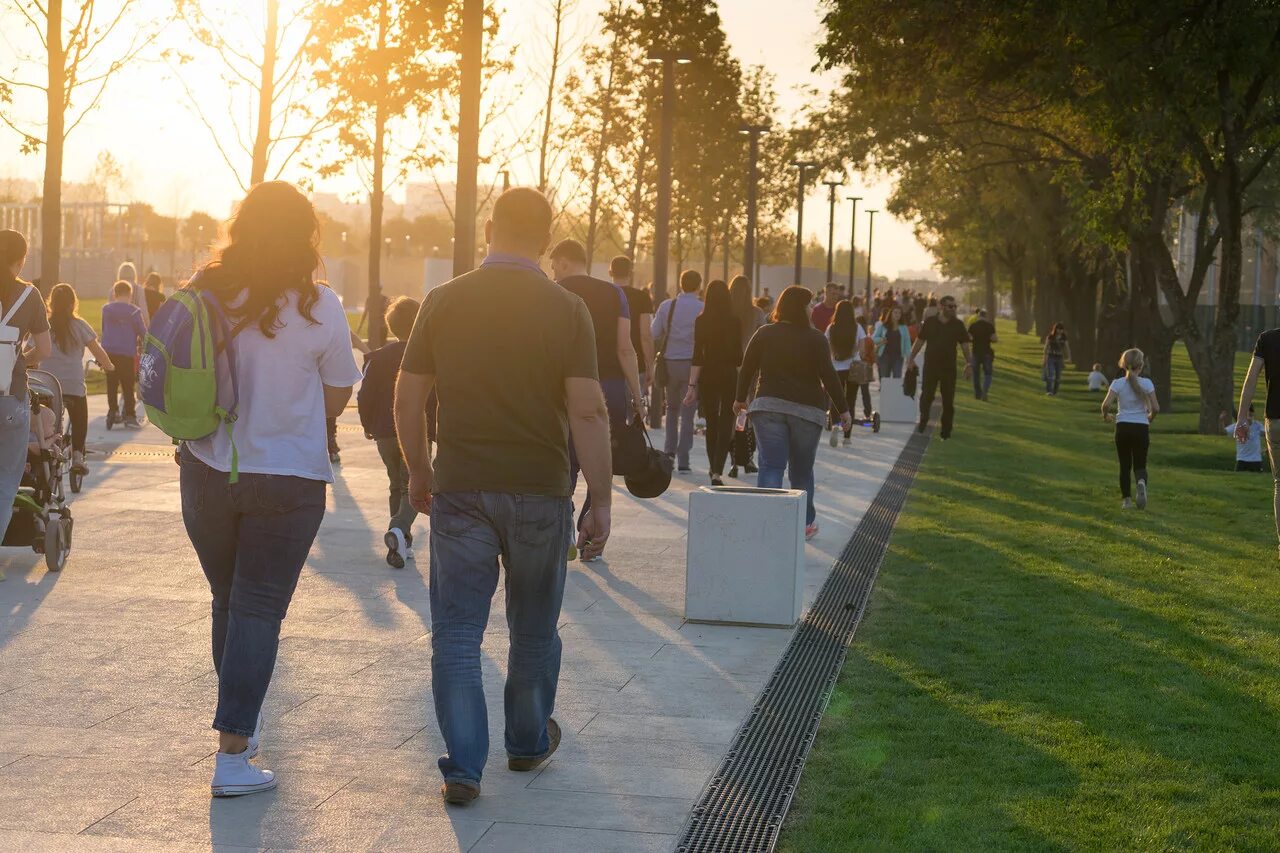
(187, 373)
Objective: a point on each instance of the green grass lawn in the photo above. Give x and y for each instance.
(1038, 669)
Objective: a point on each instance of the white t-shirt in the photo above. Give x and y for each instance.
(1097, 381)
(845, 364)
(1132, 407)
(1249, 450)
(280, 429)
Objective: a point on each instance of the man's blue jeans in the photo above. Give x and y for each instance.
(982, 374)
(252, 539)
(787, 443)
(470, 532)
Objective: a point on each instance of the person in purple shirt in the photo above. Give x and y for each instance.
(123, 328)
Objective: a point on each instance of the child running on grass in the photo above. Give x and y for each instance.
(1136, 408)
(375, 399)
(1248, 451)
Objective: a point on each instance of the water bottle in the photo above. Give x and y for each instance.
(741, 424)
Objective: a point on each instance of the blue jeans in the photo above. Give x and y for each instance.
(15, 426)
(982, 365)
(787, 443)
(252, 539)
(890, 367)
(1053, 373)
(470, 532)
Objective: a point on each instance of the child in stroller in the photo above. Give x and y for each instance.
(41, 517)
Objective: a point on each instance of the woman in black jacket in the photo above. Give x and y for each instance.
(789, 412)
(717, 352)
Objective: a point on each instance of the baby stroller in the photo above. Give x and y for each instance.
(41, 518)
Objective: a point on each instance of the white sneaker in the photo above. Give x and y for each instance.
(1142, 494)
(835, 438)
(396, 546)
(408, 553)
(234, 776)
(255, 739)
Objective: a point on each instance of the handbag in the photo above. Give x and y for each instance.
(660, 373)
(629, 444)
(860, 373)
(655, 478)
(909, 381)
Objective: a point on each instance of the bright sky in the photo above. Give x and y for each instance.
(145, 119)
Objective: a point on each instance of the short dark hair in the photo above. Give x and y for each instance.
(522, 214)
(570, 250)
(982, 312)
(950, 299)
(621, 267)
(792, 304)
(400, 316)
(832, 284)
(122, 288)
(690, 281)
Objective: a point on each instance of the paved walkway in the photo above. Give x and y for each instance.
(106, 688)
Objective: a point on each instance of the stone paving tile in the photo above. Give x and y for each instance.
(507, 837)
(106, 685)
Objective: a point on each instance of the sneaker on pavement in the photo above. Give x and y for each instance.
(1142, 494)
(751, 469)
(255, 739)
(132, 423)
(396, 546)
(811, 531)
(523, 765)
(459, 793)
(234, 776)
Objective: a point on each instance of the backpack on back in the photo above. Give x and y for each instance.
(187, 374)
(10, 342)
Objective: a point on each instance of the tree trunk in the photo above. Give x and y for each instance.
(1021, 311)
(51, 200)
(373, 306)
(544, 148)
(1217, 377)
(1084, 316)
(989, 281)
(706, 256)
(1114, 316)
(1150, 260)
(1040, 301)
(637, 196)
(266, 95)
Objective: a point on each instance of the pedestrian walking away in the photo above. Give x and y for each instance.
(983, 333)
(1136, 407)
(71, 336)
(640, 306)
(252, 509)
(845, 336)
(750, 318)
(615, 357)
(943, 333)
(375, 404)
(24, 342)
(123, 330)
(713, 379)
(1266, 357)
(510, 398)
(1057, 351)
(793, 362)
(673, 340)
(825, 310)
(893, 343)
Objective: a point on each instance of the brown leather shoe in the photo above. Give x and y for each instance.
(459, 793)
(523, 765)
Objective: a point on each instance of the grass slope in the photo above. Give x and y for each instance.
(1038, 670)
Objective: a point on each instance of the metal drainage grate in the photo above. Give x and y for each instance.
(743, 805)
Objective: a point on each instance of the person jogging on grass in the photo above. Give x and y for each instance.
(1136, 408)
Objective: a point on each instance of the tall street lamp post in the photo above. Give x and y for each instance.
(662, 214)
(871, 230)
(853, 244)
(754, 131)
(831, 228)
(803, 166)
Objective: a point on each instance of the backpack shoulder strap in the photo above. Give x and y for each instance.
(17, 303)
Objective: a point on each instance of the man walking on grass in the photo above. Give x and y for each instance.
(1266, 354)
(943, 333)
(512, 356)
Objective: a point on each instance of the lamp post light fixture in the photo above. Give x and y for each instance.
(831, 227)
(853, 245)
(668, 59)
(803, 166)
(754, 132)
(871, 230)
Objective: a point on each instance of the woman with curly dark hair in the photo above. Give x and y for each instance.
(294, 365)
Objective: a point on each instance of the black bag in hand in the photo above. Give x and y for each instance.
(909, 381)
(630, 449)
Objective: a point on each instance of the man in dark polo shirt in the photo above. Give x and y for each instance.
(943, 333)
(640, 305)
(615, 356)
(512, 356)
(1266, 355)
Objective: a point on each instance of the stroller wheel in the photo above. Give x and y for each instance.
(57, 544)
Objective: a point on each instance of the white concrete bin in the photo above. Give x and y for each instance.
(745, 556)
(896, 407)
